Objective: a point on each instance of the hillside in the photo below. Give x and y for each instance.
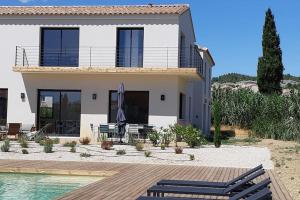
(235, 77)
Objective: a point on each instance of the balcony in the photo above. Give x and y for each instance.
(109, 60)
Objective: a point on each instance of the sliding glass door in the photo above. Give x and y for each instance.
(3, 106)
(59, 112)
(136, 106)
(59, 47)
(130, 47)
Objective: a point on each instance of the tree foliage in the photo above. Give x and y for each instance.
(270, 116)
(270, 67)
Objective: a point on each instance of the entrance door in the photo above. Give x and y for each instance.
(59, 111)
(3, 106)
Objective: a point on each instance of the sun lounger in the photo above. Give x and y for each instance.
(207, 183)
(228, 191)
(258, 191)
(264, 194)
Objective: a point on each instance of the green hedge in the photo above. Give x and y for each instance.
(273, 116)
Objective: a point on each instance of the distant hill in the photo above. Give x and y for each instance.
(235, 77)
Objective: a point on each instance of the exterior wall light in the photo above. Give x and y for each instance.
(23, 96)
(94, 96)
(162, 97)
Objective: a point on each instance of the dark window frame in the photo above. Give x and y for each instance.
(60, 91)
(6, 90)
(181, 106)
(109, 102)
(41, 47)
(117, 44)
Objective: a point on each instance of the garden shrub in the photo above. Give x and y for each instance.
(24, 151)
(178, 150)
(193, 136)
(23, 142)
(167, 136)
(85, 140)
(73, 149)
(70, 144)
(121, 152)
(85, 155)
(154, 137)
(5, 147)
(139, 146)
(192, 156)
(48, 146)
(147, 153)
(56, 141)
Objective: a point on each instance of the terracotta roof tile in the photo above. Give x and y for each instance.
(94, 10)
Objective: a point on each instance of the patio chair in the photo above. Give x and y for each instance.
(133, 131)
(112, 130)
(26, 128)
(3, 132)
(146, 131)
(14, 130)
(207, 183)
(259, 191)
(228, 191)
(102, 129)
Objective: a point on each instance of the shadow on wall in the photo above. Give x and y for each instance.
(102, 84)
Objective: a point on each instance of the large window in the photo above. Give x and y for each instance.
(3, 106)
(136, 106)
(59, 47)
(130, 47)
(59, 112)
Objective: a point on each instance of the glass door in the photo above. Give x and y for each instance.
(59, 112)
(3, 106)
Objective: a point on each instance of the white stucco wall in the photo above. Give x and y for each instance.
(160, 32)
(161, 113)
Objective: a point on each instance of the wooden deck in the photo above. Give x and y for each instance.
(132, 180)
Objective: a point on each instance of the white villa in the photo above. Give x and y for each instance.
(63, 65)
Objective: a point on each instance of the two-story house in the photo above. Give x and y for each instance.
(63, 65)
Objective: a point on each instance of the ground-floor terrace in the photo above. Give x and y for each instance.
(128, 181)
(70, 103)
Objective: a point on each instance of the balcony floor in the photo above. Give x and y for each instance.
(190, 73)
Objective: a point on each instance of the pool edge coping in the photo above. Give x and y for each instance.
(102, 173)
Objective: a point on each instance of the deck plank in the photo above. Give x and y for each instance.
(132, 180)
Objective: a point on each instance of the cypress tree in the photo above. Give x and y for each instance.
(270, 67)
(217, 123)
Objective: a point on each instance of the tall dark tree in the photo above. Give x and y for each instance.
(270, 67)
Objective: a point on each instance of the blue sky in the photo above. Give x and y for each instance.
(231, 29)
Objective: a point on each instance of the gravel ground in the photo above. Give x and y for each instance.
(286, 158)
(226, 156)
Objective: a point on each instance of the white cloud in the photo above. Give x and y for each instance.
(25, 1)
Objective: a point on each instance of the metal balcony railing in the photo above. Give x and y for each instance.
(156, 57)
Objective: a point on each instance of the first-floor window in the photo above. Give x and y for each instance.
(182, 106)
(136, 107)
(3, 106)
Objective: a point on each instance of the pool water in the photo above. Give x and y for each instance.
(17, 186)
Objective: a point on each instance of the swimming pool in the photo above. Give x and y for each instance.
(16, 186)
